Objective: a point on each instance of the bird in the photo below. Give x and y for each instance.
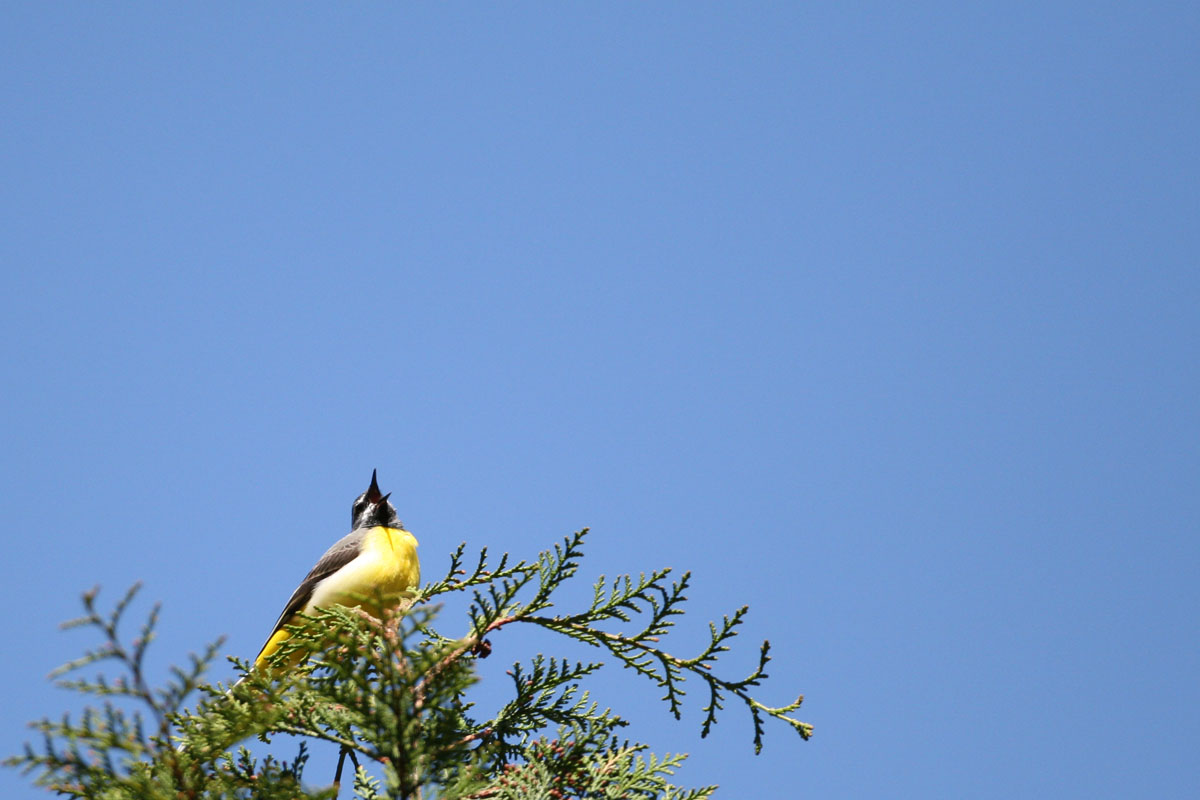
(378, 558)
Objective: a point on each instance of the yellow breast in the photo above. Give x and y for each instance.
(386, 566)
(386, 569)
(392, 555)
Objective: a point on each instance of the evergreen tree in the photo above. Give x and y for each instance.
(392, 693)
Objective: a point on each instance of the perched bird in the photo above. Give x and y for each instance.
(378, 558)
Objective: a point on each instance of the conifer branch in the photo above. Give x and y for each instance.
(624, 599)
(395, 691)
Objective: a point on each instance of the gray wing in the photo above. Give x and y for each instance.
(342, 553)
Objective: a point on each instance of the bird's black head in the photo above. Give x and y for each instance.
(372, 508)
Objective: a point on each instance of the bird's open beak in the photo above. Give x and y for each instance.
(373, 493)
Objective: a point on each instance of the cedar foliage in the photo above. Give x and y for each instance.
(393, 693)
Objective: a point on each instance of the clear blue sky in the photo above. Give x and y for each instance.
(881, 320)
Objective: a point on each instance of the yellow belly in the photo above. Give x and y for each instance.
(387, 566)
(384, 572)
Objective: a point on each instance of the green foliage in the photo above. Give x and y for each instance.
(392, 693)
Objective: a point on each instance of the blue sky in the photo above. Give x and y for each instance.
(882, 320)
